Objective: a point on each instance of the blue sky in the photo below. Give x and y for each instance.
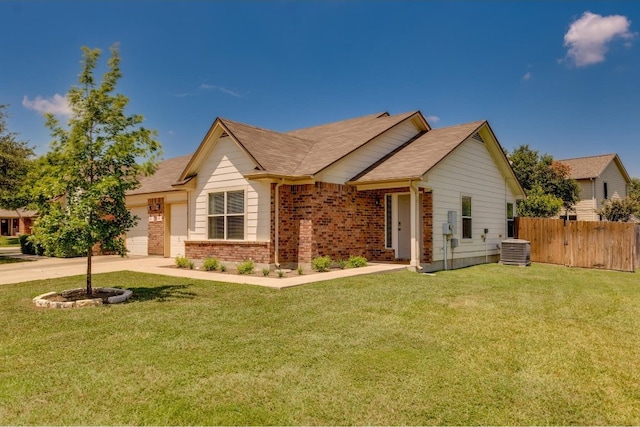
(563, 77)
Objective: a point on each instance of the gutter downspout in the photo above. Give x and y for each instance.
(277, 220)
(415, 243)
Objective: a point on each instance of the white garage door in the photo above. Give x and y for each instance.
(138, 236)
(178, 229)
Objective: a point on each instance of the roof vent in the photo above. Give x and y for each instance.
(477, 137)
(224, 134)
(515, 252)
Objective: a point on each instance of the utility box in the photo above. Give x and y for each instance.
(515, 252)
(454, 243)
(446, 228)
(452, 218)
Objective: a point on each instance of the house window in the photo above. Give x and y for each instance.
(466, 218)
(388, 222)
(606, 191)
(226, 215)
(510, 222)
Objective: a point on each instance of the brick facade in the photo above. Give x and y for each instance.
(156, 227)
(320, 219)
(340, 221)
(260, 252)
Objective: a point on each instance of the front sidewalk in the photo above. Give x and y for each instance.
(51, 268)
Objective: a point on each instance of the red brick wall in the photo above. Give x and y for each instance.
(24, 225)
(156, 227)
(342, 222)
(260, 252)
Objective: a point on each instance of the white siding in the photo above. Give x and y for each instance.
(354, 163)
(585, 209)
(222, 171)
(616, 189)
(470, 171)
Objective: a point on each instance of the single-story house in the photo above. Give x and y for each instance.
(602, 177)
(16, 222)
(387, 187)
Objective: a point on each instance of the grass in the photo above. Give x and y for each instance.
(9, 241)
(10, 260)
(489, 345)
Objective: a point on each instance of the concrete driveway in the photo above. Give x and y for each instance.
(50, 268)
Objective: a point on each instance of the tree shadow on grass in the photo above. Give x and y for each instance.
(161, 293)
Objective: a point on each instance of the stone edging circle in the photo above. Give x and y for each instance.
(122, 296)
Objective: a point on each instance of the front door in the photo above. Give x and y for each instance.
(404, 226)
(4, 227)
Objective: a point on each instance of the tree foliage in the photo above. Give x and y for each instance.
(14, 162)
(634, 189)
(621, 210)
(539, 204)
(80, 185)
(541, 175)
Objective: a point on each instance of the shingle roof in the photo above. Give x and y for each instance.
(275, 152)
(336, 140)
(166, 174)
(419, 156)
(5, 213)
(588, 167)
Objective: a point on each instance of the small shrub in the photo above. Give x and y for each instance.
(280, 273)
(342, 263)
(27, 246)
(211, 264)
(184, 262)
(357, 261)
(246, 267)
(266, 271)
(321, 263)
(300, 270)
(223, 268)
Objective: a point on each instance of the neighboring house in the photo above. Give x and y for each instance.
(379, 186)
(600, 178)
(15, 222)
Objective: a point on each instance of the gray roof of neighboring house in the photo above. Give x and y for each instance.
(593, 166)
(6, 213)
(166, 174)
(417, 157)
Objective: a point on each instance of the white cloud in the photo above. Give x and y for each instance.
(433, 119)
(527, 76)
(220, 88)
(588, 37)
(58, 105)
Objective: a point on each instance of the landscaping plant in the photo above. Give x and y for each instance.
(321, 263)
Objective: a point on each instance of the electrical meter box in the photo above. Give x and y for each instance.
(452, 218)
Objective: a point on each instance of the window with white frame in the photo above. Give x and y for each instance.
(226, 215)
(510, 222)
(467, 232)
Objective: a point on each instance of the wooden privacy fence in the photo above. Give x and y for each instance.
(590, 244)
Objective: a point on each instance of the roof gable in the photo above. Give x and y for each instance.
(419, 156)
(593, 166)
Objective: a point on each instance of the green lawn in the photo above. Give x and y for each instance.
(9, 241)
(489, 345)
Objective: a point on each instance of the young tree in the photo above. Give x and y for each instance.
(539, 204)
(619, 209)
(540, 174)
(634, 189)
(80, 185)
(14, 161)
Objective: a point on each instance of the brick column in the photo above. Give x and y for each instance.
(305, 241)
(155, 213)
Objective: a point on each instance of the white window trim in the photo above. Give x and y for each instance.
(512, 219)
(245, 213)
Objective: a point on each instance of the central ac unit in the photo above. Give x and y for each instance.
(516, 252)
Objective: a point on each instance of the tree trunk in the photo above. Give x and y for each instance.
(89, 290)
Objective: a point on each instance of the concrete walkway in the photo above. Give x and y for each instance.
(50, 268)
